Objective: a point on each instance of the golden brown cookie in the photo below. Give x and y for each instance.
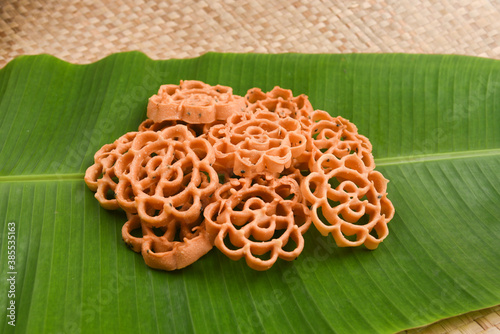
(194, 102)
(158, 246)
(260, 219)
(260, 142)
(352, 199)
(281, 102)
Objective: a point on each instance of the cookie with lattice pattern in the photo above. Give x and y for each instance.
(260, 219)
(193, 102)
(348, 200)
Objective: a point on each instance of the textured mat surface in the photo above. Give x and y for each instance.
(86, 31)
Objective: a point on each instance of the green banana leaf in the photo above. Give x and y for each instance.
(434, 122)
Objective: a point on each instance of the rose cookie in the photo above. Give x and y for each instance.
(193, 102)
(101, 176)
(259, 219)
(282, 102)
(163, 180)
(166, 174)
(335, 135)
(158, 246)
(352, 198)
(253, 143)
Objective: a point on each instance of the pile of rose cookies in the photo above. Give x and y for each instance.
(246, 174)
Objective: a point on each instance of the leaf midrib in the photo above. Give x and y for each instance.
(410, 159)
(403, 160)
(42, 177)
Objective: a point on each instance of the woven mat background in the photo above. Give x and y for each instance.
(86, 31)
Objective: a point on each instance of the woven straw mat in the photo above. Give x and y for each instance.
(86, 31)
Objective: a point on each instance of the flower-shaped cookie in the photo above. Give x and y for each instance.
(163, 180)
(335, 135)
(352, 199)
(194, 102)
(159, 246)
(101, 176)
(261, 142)
(282, 102)
(260, 219)
(166, 174)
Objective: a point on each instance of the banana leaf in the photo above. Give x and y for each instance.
(433, 120)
